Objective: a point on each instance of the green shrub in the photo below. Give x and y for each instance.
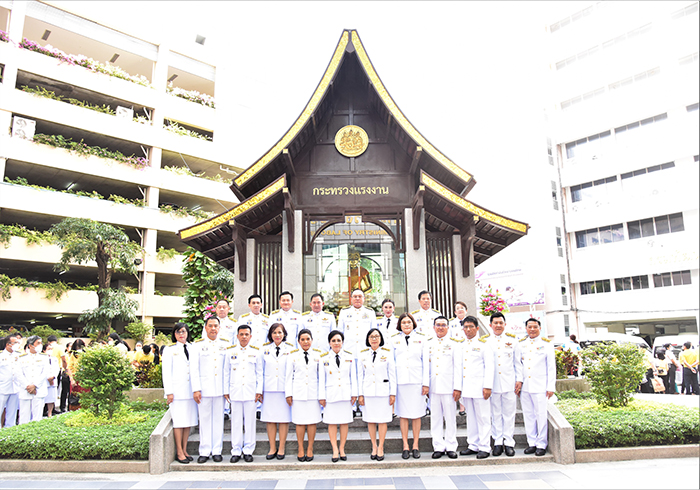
(139, 330)
(44, 331)
(640, 423)
(106, 373)
(567, 363)
(614, 371)
(54, 439)
(149, 375)
(125, 415)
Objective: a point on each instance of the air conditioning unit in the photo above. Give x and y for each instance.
(23, 128)
(125, 112)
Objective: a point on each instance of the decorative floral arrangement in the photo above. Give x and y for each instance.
(3, 37)
(492, 302)
(192, 96)
(210, 310)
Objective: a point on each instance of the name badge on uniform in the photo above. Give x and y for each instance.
(476, 349)
(382, 359)
(325, 364)
(540, 347)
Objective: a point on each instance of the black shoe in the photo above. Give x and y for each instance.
(309, 458)
(406, 454)
(510, 451)
(452, 454)
(467, 452)
(183, 461)
(438, 454)
(271, 456)
(217, 458)
(257, 415)
(462, 413)
(301, 458)
(374, 457)
(380, 458)
(248, 458)
(226, 417)
(416, 454)
(202, 459)
(359, 414)
(236, 458)
(427, 411)
(343, 458)
(530, 450)
(335, 460)
(281, 456)
(482, 455)
(540, 452)
(497, 450)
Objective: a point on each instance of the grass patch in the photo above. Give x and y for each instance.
(641, 423)
(55, 439)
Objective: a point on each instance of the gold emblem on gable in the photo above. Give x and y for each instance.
(351, 141)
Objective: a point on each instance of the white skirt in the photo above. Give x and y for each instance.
(337, 413)
(275, 408)
(51, 396)
(377, 410)
(184, 413)
(410, 403)
(306, 412)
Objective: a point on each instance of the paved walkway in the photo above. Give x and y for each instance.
(651, 474)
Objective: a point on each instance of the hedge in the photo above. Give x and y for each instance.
(641, 423)
(53, 439)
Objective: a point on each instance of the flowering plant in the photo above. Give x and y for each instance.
(191, 95)
(492, 302)
(210, 310)
(3, 37)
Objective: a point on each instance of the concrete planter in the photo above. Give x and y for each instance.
(580, 385)
(632, 453)
(148, 395)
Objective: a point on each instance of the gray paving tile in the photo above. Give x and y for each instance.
(233, 484)
(117, 485)
(320, 483)
(378, 481)
(350, 482)
(494, 477)
(468, 481)
(554, 478)
(262, 485)
(408, 483)
(522, 475)
(206, 484)
(176, 485)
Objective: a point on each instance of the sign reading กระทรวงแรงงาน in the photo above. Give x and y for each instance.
(356, 192)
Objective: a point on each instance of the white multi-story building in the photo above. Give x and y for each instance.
(623, 113)
(190, 146)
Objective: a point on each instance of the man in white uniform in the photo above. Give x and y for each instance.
(355, 321)
(290, 318)
(207, 377)
(227, 325)
(503, 399)
(387, 322)
(539, 383)
(258, 322)
(319, 322)
(34, 374)
(445, 384)
(9, 380)
(476, 370)
(243, 387)
(425, 315)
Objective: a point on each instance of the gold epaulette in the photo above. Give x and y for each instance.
(274, 312)
(297, 312)
(327, 312)
(245, 315)
(546, 339)
(485, 336)
(482, 339)
(288, 343)
(365, 350)
(199, 340)
(452, 319)
(233, 319)
(254, 347)
(430, 339)
(347, 351)
(324, 354)
(21, 355)
(266, 344)
(436, 311)
(510, 334)
(380, 317)
(384, 348)
(456, 340)
(264, 315)
(295, 350)
(171, 344)
(317, 350)
(414, 312)
(419, 333)
(524, 338)
(346, 307)
(305, 313)
(230, 347)
(397, 333)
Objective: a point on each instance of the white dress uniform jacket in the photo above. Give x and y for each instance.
(176, 371)
(227, 329)
(301, 378)
(207, 367)
(335, 383)
(476, 367)
(376, 378)
(9, 366)
(355, 323)
(442, 356)
(424, 319)
(320, 324)
(456, 329)
(259, 325)
(409, 358)
(34, 369)
(539, 369)
(243, 373)
(386, 325)
(274, 366)
(291, 319)
(508, 370)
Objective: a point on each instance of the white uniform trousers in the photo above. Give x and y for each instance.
(535, 416)
(242, 427)
(503, 418)
(211, 425)
(30, 410)
(444, 439)
(11, 407)
(478, 423)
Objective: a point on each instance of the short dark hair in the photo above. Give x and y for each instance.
(374, 329)
(334, 333)
(406, 315)
(441, 318)
(661, 356)
(303, 331)
(388, 300)
(357, 289)
(223, 299)
(253, 296)
(51, 338)
(32, 340)
(176, 328)
(114, 336)
(316, 295)
(243, 327)
(147, 349)
(687, 345)
(470, 319)
(283, 293)
(78, 344)
(533, 320)
(498, 314)
(212, 317)
(274, 327)
(462, 303)
(666, 346)
(420, 295)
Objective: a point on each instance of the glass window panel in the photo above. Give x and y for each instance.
(662, 225)
(647, 226)
(653, 168)
(592, 237)
(606, 286)
(618, 235)
(584, 288)
(658, 283)
(634, 230)
(580, 239)
(677, 278)
(666, 278)
(605, 234)
(668, 165)
(570, 150)
(627, 175)
(639, 172)
(587, 191)
(576, 193)
(676, 222)
(644, 282)
(686, 277)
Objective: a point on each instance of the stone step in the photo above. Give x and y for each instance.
(358, 442)
(356, 462)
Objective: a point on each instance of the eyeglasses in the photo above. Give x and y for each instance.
(375, 336)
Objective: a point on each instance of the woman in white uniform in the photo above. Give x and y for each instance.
(337, 391)
(376, 381)
(178, 389)
(301, 390)
(275, 411)
(412, 379)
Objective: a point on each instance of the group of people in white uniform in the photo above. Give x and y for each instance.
(304, 369)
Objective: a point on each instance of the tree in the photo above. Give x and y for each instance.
(83, 240)
(614, 371)
(106, 373)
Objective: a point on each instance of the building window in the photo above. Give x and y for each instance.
(692, 107)
(645, 75)
(566, 325)
(689, 10)
(595, 287)
(640, 31)
(599, 236)
(667, 279)
(589, 144)
(571, 19)
(671, 223)
(562, 277)
(648, 170)
(630, 283)
(622, 133)
(687, 60)
(591, 190)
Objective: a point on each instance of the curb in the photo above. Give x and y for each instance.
(634, 453)
(84, 466)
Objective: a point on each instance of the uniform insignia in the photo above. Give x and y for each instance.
(365, 350)
(324, 354)
(171, 344)
(483, 339)
(452, 319)
(546, 339)
(397, 333)
(264, 315)
(347, 351)
(266, 344)
(509, 344)
(305, 313)
(295, 350)
(254, 347)
(233, 319)
(315, 349)
(274, 312)
(198, 340)
(434, 310)
(22, 355)
(420, 333)
(297, 312)
(290, 344)
(227, 348)
(414, 312)
(456, 340)
(380, 317)
(384, 348)
(485, 336)
(523, 339)
(245, 315)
